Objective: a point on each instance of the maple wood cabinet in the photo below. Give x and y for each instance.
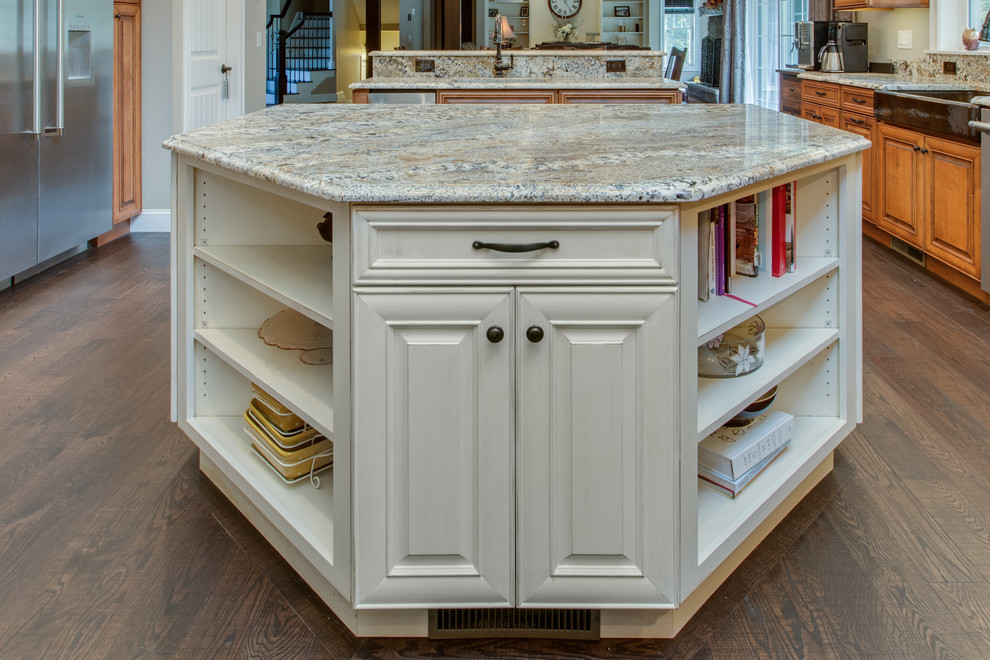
(930, 195)
(851, 109)
(844, 5)
(502, 95)
(126, 110)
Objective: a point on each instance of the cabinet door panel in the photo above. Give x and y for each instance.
(433, 468)
(864, 125)
(595, 470)
(901, 188)
(954, 216)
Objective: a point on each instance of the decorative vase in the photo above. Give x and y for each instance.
(970, 40)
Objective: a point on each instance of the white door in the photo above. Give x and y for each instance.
(596, 467)
(433, 457)
(213, 61)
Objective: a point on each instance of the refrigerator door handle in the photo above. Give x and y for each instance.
(59, 126)
(36, 98)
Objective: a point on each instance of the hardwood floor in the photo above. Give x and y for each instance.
(113, 545)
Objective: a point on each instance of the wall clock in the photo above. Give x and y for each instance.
(564, 8)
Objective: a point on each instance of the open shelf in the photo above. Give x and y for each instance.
(725, 522)
(719, 313)
(306, 389)
(787, 349)
(299, 277)
(297, 509)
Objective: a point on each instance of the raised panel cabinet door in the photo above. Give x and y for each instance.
(953, 234)
(620, 96)
(432, 448)
(496, 96)
(901, 187)
(126, 111)
(865, 125)
(596, 447)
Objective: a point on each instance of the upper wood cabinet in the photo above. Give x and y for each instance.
(877, 4)
(126, 110)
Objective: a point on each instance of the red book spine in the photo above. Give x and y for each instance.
(778, 246)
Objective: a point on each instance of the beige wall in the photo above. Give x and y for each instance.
(884, 26)
(157, 122)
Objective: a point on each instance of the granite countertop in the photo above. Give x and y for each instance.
(891, 81)
(516, 83)
(546, 153)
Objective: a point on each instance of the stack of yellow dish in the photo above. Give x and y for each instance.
(284, 440)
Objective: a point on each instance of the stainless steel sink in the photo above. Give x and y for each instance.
(943, 111)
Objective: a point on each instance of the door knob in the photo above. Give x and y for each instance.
(224, 69)
(495, 334)
(534, 333)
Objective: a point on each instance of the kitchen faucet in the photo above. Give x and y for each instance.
(499, 35)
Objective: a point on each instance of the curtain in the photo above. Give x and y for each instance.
(732, 86)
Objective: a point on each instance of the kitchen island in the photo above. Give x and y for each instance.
(513, 400)
(534, 76)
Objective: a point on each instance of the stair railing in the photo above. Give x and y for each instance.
(306, 46)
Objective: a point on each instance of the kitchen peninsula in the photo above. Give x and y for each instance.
(535, 76)
(513, 398)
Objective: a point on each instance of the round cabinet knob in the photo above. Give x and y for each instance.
(534, 333)
(495, 334)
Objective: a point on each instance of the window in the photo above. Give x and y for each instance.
(977, 12)
(680, 29)
(769, 44)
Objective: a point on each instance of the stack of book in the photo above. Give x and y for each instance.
(287, 444)
(751, 236)
(731, 457)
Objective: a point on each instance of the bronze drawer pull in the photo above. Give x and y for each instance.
(820, 93)
(857, 100)
(515, 247)
(861, 122)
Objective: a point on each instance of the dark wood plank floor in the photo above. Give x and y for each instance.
(113, 545)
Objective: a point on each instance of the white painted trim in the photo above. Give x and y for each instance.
(152, 220)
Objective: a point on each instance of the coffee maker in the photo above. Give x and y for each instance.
(851, 38)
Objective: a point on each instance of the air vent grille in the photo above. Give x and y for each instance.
(498, 622)
(909, 251)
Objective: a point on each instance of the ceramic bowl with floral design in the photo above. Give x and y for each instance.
(736, 352)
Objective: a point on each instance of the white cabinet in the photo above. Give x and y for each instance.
(514, 401)
(596, 491)
(508, 448)
(433, 410)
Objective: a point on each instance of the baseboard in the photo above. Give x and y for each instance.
(153, 220)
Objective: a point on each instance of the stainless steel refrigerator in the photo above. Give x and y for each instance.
(56, 128)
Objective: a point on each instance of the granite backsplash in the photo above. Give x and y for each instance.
(973, 67)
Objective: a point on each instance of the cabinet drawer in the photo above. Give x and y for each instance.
(436, 245)
(821, 93)
(854, 99)
(821, 114)
(790, 89)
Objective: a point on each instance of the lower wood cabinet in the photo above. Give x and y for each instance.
(478, 403)
(496, 96)
(126, 110)
(864, 125)
(821, 114)
(929, 195)
(557, 96)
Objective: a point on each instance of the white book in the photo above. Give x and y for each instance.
(732, 451)
(732, 487)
